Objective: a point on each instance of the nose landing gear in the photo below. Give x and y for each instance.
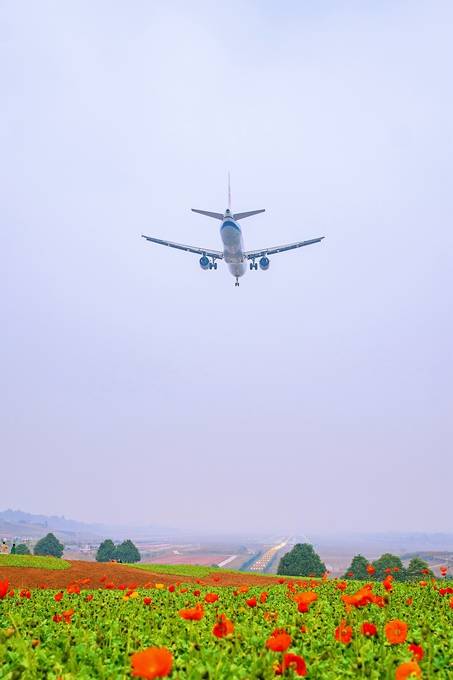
(237, 281)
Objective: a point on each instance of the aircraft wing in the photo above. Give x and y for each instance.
(251, 254)
(215, 254)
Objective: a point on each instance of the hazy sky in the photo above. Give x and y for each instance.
(139, 388)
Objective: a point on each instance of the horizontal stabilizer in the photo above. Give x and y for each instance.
(241, 216)
(216, 216)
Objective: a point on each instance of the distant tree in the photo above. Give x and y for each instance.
(389, 564)
(106, 551)
(22, 549)
(127, 552)
(302, 560)
(417, 569)
(49, 545)
(357, 569)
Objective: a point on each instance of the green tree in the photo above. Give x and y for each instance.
(388, 562)
(127, 552)
(106, 551)
(357, 569)
(414, 571)
(302, 560)
(22, 549)
(49, 545)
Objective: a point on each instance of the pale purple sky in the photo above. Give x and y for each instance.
(138, 388)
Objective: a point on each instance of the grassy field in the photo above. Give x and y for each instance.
(194, 570)
(35, 561)
(96, 634)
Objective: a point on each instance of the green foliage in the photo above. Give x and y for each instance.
(22, 549)
(127, 552)
(389, 562)
(195, 570)
(357, 569)
(49, 545)
(302, 560)
(414, 571)
(105, 632)
(106, 551)
(33, 561)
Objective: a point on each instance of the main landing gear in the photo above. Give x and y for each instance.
(237, 281)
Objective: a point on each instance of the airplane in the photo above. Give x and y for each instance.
(233, 248)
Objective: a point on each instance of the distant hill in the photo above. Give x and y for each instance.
(16, 523)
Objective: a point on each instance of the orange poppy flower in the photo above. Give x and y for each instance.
(73, 589)
(409, 601)
(211, 597)
(297, 663)
(263, 597)
(89, 597)
(368, 629)
(251, 602)
(388, 585)
(343, 633)
(279, 641)
(192, 614)
(410, 669)
(147, 600)
(443, 571)
(341, 585)
(67, 615)
(216, 578)
(58, 597)
(223, 627)
(417, 651)
(154, 662)
(451, 603)
(396, 631)
(370, 569)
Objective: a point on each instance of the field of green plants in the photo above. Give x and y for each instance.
(35, 561)
(316, 629)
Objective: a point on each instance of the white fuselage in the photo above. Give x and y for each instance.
(233, 247)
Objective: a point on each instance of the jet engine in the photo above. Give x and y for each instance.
(204, 262)
(264, 263)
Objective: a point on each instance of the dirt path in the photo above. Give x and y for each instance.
(100, 573)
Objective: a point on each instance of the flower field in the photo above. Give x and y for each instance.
(326, 629)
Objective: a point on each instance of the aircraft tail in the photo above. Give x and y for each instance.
(216, 216)
(243, 215)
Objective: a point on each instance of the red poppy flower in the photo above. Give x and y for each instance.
(192, 614)
(388, 570)
(445, 591)
(303, 629)
(423, 584)
(409, 601)
(25, 593)
(67, 615)
(211, 597)
(343, 633)
(197, 593)
(388, 585)
(216, 578)
(171, 589)
(73, 589)
(425, 571)
(279, 641)
(154, 662)
(410, 669)
(303, 607)
(341, 585)
(443, 571)
(368, 629)
(57, 618)
(223, 627)
(11, 593)
(350, 574)
(451, 603)
(251, 602)
(263, 597)
(396, 631)
(395, 569)
(297, 663)
(370, 569)
(147, 600)
(417, 651)
(4, 585)
(59, 596)
(89, 597)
